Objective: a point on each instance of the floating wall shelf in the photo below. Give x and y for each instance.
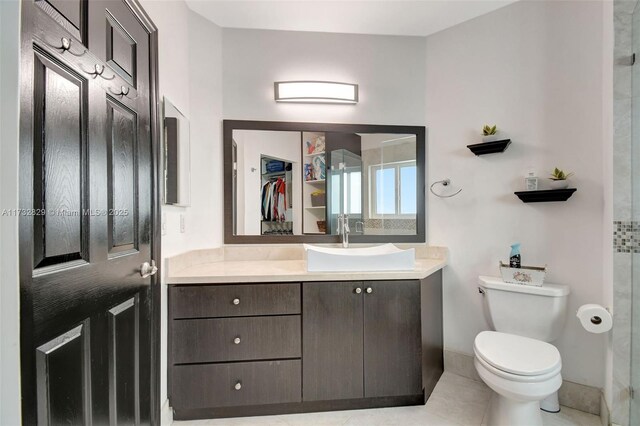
(489, 147)
(545, 195)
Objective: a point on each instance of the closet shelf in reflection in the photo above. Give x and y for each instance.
(273, 174)
(315, 181)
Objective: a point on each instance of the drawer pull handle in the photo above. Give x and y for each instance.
(369, 290)
(236, 340)
(358, 290)
(236, 301)
(238, 386)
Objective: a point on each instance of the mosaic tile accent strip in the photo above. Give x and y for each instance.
(626, 236)
(400, 224)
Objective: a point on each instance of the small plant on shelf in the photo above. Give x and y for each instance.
(559, 178)
(489, 133)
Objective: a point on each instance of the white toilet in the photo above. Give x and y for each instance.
(515, 360)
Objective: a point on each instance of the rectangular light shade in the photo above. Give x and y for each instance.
(323, 92)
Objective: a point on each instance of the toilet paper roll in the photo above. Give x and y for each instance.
(595, 318)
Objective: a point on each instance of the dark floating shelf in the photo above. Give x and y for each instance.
(489, 147)
(545, 195)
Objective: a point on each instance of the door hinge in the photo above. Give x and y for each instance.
(632, 392)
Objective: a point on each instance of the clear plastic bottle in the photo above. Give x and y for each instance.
(531, 181)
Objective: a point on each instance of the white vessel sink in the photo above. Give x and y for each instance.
(385, 257)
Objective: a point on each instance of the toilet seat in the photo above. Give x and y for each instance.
(517, 377)
(517, 358)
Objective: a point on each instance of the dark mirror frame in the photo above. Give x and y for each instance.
(230, 125)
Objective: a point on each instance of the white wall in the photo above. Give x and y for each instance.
(607, 160)
(390, 71)
(535, 69)
(9, 282)
(205, 227)
(190, 75)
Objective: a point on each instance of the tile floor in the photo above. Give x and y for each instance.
(456, 401)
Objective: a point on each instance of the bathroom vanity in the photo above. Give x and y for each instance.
(264, 336)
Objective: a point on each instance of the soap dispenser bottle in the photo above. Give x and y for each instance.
(514, 257)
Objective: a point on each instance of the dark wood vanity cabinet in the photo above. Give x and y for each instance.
(392, 338)
(332, 326)
(233, 345)
(258, 349)
(361, 339)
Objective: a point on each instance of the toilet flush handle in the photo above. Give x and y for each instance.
(481, 290)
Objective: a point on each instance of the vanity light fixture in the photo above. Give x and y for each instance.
(316, 92)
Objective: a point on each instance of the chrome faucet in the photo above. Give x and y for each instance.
(343, 229)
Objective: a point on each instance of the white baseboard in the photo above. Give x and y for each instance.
(605, 415)
(573, 395)
(166, 414)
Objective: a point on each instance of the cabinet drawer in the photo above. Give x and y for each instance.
(234, 300)
(212, 340)
(215, 385)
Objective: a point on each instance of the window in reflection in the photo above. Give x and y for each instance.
(386, 180)
(408, 193)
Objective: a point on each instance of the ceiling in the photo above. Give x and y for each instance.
(390, 17)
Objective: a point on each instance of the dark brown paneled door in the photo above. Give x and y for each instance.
(87, 200)
(392, 338)
(332, 334)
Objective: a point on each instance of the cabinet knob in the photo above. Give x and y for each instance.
(236, 301)
(236, 340)
(369, 290)
(238, 386)
(358, 290)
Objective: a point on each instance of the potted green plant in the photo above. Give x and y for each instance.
(489, 133)
(559, 179)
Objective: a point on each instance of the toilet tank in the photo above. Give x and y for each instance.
(529, 311)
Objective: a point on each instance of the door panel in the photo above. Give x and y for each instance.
(122, 169)
(120, 49)
(87, 163)
(332, 337)
(121, 42)
(392, 339)
(70, 14)
(124, 363)
(60, 97)
(63, 378)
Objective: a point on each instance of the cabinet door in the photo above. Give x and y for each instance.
(392, 349)
(332, 336)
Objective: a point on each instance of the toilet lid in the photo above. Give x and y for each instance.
(516, 354)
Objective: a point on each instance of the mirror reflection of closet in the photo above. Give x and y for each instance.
(314, 190)
(262, 157)
(276, 196)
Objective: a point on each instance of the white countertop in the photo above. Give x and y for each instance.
(213, 267)
(289, 270)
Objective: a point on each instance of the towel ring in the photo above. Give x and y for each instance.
(444, 182)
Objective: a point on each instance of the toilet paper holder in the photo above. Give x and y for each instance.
(595, 318)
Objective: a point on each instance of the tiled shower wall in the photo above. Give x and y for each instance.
(626, 237)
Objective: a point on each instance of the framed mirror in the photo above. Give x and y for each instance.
(176, 156)
(288, 182)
